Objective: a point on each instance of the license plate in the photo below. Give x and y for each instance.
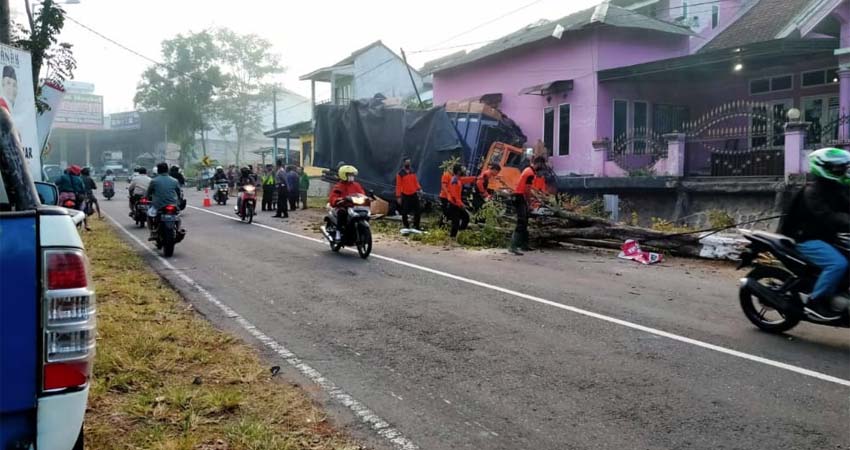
(169, 218)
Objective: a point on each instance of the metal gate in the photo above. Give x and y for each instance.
(741, 138)
(637, 150)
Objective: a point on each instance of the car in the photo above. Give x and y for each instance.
(47, 311)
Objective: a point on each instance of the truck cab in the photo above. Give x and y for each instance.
(47, 313)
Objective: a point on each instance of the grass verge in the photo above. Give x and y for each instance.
(166, 379)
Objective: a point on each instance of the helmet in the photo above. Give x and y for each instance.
(219, 169)
(831, 163)
(74, 170)
(346, 171)
(245, 171)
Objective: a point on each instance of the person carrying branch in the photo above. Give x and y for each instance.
(522, 200)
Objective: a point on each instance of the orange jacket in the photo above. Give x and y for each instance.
(444, 185)
(525, 180)
(406, 183)
(344, 189)
(456, 189)
(539, 184)
(483, 182)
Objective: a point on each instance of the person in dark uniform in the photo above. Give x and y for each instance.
(282, 191)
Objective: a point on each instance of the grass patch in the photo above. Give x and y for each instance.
(166, 379)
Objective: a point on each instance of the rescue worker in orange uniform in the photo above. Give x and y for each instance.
(522, 200)
(444, 196)
(457, 210)
(407, 190)
(482, 186)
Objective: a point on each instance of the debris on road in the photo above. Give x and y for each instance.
(632, 251)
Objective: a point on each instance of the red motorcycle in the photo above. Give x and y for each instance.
(247, 203)
(108, 189)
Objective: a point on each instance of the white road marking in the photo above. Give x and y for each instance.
(367, 416)
(584, 312)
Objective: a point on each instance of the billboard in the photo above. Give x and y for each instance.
(18, 97)
(125, 121)
(80, 112)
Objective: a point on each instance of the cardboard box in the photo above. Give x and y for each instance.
(379, 206)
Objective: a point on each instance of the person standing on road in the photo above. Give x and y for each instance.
(407, 190)
(292, 185)
(282, 191)
(522, 197)
(457, 210)
(267, 181)
(303, 187)
(91, 188)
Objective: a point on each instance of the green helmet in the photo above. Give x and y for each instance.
(831, 163)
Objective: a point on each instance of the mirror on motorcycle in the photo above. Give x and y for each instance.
(182, 204)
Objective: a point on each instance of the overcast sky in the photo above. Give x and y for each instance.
(307, 34)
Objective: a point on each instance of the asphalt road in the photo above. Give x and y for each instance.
(449, 362)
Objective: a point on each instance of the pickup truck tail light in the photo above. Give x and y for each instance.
(68, 320)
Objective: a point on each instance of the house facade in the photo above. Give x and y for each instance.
(371, 70)
(612, 90)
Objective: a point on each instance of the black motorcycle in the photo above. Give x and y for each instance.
(357, 231)
(772, 295)
(139, 210)
(221, 193)
(165, 229)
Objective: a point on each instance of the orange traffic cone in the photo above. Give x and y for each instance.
(207, 201)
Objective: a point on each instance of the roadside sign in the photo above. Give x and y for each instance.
(206, 161)
(18, 97)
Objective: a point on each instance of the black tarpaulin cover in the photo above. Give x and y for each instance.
(376, 138)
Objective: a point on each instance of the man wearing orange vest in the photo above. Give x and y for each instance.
(457, 211)
(407, 190)
(522, 198)
(482, 186)
(444, 195)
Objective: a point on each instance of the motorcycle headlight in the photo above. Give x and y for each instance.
(249, 189)
(359, 200)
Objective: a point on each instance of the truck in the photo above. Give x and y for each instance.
(47, 310)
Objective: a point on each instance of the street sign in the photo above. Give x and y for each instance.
(206, 161)
(80, 112)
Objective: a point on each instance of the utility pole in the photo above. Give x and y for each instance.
(412, 81)
(5, 22)
(274, 125)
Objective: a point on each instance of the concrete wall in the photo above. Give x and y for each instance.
(379, 71)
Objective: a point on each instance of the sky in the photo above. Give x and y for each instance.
(306, 34)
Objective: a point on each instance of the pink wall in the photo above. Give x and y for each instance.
(576, 57)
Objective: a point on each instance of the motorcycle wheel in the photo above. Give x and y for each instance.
(765, 317)
(169, 238)
(335, 247)
(364, 241)
(249, 212)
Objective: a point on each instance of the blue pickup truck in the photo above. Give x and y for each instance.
(47, 311)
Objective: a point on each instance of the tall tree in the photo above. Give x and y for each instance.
(248, 63)
(183, 87)
(5, 22)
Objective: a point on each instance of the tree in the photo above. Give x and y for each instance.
(183, 87)
(247, 63)
(41, 40)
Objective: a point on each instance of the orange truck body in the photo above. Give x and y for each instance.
(510, 158)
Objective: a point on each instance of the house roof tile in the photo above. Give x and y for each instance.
(603, 14)
(763, 21)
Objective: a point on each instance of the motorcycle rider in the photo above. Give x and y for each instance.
(138, 186)
(162, 191)
(219, 176)
(814, 219)
(177, 175)
(246, 178)
(345, 188)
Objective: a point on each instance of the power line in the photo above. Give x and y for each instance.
(477, 27)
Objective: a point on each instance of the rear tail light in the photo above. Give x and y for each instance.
(171, 209)
(68, 320)
(144, 201)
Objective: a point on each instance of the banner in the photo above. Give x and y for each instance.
(18, 97)
(51, 94)
(125, 121)
(80, 112)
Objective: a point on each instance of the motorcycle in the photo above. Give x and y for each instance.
(139, 213)
(771, 296)
(221, 193)
(108, 190)
(165, 229)
(357, 232)
(248, 196)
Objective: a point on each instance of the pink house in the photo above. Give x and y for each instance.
(671, 87)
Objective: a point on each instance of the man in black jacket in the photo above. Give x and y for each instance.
(815, 218)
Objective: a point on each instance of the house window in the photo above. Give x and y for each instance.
(640, 123)
(564, 130)
(715, 16)
(771, 84)
(549, 129)
(820, 77)
(621, 118)
(823, 114)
